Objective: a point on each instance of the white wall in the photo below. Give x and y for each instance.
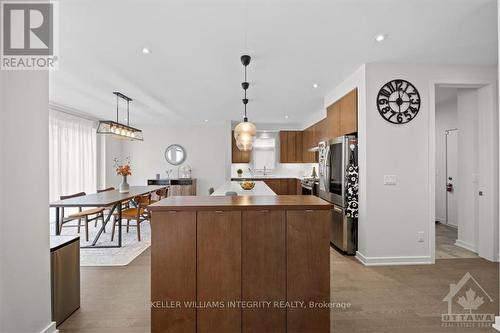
(446, 119)
(112, 147)
(207, 146)
(24, 192)
(393, 215)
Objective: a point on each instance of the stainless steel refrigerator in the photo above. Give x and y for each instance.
(333, 160)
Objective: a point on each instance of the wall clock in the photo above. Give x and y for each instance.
(398, 101)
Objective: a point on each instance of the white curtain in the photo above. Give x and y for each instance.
(72, 155)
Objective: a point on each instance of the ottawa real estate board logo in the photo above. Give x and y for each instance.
(29, 35)
(467, 301)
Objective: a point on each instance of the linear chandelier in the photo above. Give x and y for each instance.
(118, 129)
(245, 132)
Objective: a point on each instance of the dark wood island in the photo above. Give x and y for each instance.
(240, 264)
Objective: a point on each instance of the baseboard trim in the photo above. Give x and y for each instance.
(51, 328)
(465, 245)
(393, 261)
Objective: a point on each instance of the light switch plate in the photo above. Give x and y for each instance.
(390, 179)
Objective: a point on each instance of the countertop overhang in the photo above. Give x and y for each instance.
(251, 202)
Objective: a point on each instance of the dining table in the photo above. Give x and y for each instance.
(113, 199)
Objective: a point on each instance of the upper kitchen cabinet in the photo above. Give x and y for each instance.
(291, 145)
(238, 156)
(349, 113)
(307, 144)
(333, 120)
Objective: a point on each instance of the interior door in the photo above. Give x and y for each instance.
(451, 176)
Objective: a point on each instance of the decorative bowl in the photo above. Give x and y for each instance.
(247, 185)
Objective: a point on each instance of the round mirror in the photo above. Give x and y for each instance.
(175, 154)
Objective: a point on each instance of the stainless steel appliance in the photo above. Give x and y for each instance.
(64, 276)
(333, 160)
(307, 185)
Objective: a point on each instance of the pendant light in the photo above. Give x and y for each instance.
(118, 129)
(245, 132)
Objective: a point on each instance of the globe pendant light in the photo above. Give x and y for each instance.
(245, 132)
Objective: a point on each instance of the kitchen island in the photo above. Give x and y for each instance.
(240, 264)
(260, 188)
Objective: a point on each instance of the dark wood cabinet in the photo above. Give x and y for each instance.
(349, 113)
(173, 240)
(291, 146)
(308, 268)
(218, 272)
(333, 120)
(283, 186)
(292, 187)
(341, 119)
(266, 249)
(263, 259)
(238, 156)
(307, 144)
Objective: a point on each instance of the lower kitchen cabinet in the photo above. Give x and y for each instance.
(219, 262)
(282, 186)
(262, 254)
(308, 269)
(263, 260)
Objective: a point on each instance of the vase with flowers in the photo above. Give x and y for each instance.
(124, 170)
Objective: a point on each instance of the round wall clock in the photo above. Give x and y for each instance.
(398, 101)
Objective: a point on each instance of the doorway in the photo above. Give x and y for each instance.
(457, 169)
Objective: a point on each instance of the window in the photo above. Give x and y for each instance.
(264, 151)
(72, 155)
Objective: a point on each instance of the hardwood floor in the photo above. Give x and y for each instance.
(403, 298)
(383, 299)
(445, 244)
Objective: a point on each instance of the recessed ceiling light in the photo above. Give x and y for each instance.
(145, 50)
(315, 85)
(380, 38)
(286, 116)
(206, 120)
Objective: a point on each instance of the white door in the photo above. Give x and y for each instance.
(451, 176)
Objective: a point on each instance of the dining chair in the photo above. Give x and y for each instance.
(160, 194)
(138, 213)
(106, 208)
(88, 215)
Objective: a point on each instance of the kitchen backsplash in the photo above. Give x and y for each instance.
(291, 170)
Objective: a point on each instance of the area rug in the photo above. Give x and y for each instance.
(122, 256)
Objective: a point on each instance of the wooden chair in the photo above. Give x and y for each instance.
(97, 213)
(160, 194)
(107, 208)
(137, 213)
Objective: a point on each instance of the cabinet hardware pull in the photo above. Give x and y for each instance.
(309, 210)
(219, 211)
(337, 209)
(172, 211)
(264, 210)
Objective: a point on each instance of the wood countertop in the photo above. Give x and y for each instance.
(251, 202)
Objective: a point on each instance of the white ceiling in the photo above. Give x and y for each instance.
(194, 72)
